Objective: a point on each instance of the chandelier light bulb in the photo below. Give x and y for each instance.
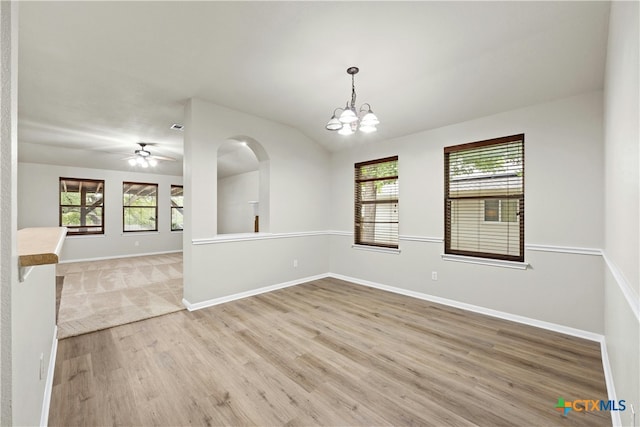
(367, 128)
(348, 116)
(346, 130)
(334, 124)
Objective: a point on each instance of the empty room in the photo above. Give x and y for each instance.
(320, 213)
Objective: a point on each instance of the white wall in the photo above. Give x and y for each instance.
(34, 316)
(622, 203)
(8, 191)
(38, 207)
(298, 196)
(563, 208)
(235, 214)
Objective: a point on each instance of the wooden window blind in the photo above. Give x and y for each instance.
(376, 203)
(139, 206)
(81, 206)
(484, 198)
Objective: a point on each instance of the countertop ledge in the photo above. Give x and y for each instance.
(40, 245)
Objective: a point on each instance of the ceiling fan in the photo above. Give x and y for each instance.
(143, 157)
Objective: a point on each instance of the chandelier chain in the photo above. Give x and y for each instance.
(353, 92)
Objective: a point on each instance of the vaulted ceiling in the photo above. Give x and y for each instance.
(95, 78)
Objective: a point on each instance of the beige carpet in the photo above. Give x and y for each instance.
(102, 294)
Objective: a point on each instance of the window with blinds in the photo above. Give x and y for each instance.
(484, 198)
(376, 203)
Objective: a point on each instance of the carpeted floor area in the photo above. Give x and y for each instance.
(101, 294)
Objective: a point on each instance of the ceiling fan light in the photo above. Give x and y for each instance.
(132, 162)
(153, 162)
(144, 164)
(348, 116)
(333, 124)
(140, 160)
(368, 128)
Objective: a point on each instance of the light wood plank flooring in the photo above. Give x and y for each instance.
(325, 353)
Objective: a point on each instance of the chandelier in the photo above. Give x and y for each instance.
(350, 120)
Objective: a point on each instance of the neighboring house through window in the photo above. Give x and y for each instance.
(484, 199)
(139, 206)
(376, 203)
(81, 206)
(177, 207)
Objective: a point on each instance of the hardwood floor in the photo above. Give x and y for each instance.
(325, 353)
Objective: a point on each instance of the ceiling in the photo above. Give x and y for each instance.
(95, 78)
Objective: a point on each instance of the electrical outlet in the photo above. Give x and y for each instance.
(41, 365)
(434, 275)
(295, 263)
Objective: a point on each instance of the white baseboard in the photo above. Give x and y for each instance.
(477, 309)
(104, 258)
(608, 378)
(48, 385)
(240, 295)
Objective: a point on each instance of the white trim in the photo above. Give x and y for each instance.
(23, 272)
(104, 258)
(486, 261)
(422, 239)
(632, 299)
(84, 236)
(608, 378)
(215, 301)
(224, 238)
(48, 386)
(376, 249)
(339, 233)
(139, 233)
(477, 309)
(563, 249)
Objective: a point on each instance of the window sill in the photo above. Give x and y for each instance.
(486, 261)
(376, 249)
(83, 236)
(139, 233)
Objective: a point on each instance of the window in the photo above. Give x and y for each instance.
(484, 199)
(139, 206)
(500, 210)
(376, 203)
(82, 206)
(177, 205)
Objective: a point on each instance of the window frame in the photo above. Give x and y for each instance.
(176, 207)
(125, 207)
(358, 203)
(519, 198)
(71, 228)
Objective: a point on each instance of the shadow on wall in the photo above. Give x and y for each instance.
(243, 186)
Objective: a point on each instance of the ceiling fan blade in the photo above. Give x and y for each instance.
(169, 159)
